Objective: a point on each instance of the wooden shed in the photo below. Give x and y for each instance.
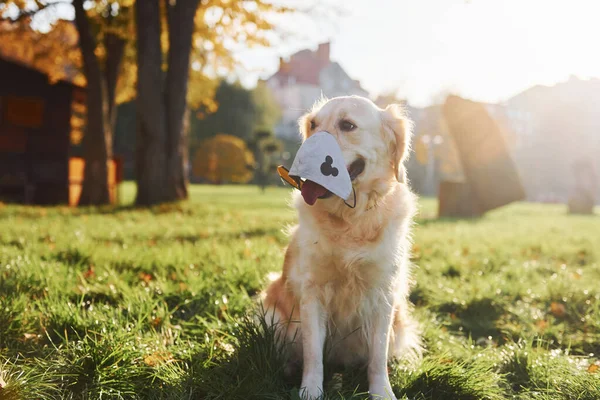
(40, 129)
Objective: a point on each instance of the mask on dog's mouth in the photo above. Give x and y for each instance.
(320, 163)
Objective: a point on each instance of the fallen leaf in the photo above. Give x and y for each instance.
(90, 273)
(541, 324)
(29, 336)
(593, 368)
(146, 277)
(154, 359)
(558, 309)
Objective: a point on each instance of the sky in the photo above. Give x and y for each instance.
(422, 50)
(486, 50)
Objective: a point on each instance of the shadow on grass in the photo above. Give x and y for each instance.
(70, 257)
(446, 220)
(34, 212)
(439, 378)
(478, 318)
(257, 368)
(195, 238)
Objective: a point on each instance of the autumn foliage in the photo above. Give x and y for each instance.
(223, 158)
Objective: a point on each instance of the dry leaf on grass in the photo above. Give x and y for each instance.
(558, 309)
(157, 358)
(541, 324)
(90, 273)
(146, 277)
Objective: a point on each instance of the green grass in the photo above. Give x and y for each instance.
(136, 303)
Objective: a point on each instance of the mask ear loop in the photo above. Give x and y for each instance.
(354, 205)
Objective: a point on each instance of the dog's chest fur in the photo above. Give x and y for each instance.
(350, 276)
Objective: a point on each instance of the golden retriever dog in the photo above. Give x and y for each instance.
(346, 272)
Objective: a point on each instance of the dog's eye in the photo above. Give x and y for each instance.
(346, 125)
(313, 125)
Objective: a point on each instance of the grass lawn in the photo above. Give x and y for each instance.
(126, 303)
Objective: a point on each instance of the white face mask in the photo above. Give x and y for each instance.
(320, 163)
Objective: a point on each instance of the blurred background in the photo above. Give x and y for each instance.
(530, 69)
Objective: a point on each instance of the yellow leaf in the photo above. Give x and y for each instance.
(558, 309)
(146, 277)
(157, 358)
(593, 368)
(541, 324)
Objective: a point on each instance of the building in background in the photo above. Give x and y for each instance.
(302, 80)
(555, 128)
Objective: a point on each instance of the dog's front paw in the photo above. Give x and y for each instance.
(311, 389)
(313, 393)
(381, 390)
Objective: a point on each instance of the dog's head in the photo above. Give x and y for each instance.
(374, 142)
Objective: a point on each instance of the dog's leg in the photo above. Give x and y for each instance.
(312, 322)
(379, 382)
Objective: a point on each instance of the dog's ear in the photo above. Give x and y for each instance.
(304, 125)
(396, 121)
(305, 121)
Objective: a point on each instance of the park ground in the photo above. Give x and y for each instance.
(153, 303)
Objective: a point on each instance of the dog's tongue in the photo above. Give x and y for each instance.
(311, 191)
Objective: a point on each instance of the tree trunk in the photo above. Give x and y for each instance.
(115, 49)
(180, 18)
(162, 111)
(97, 141)
(151, 142)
